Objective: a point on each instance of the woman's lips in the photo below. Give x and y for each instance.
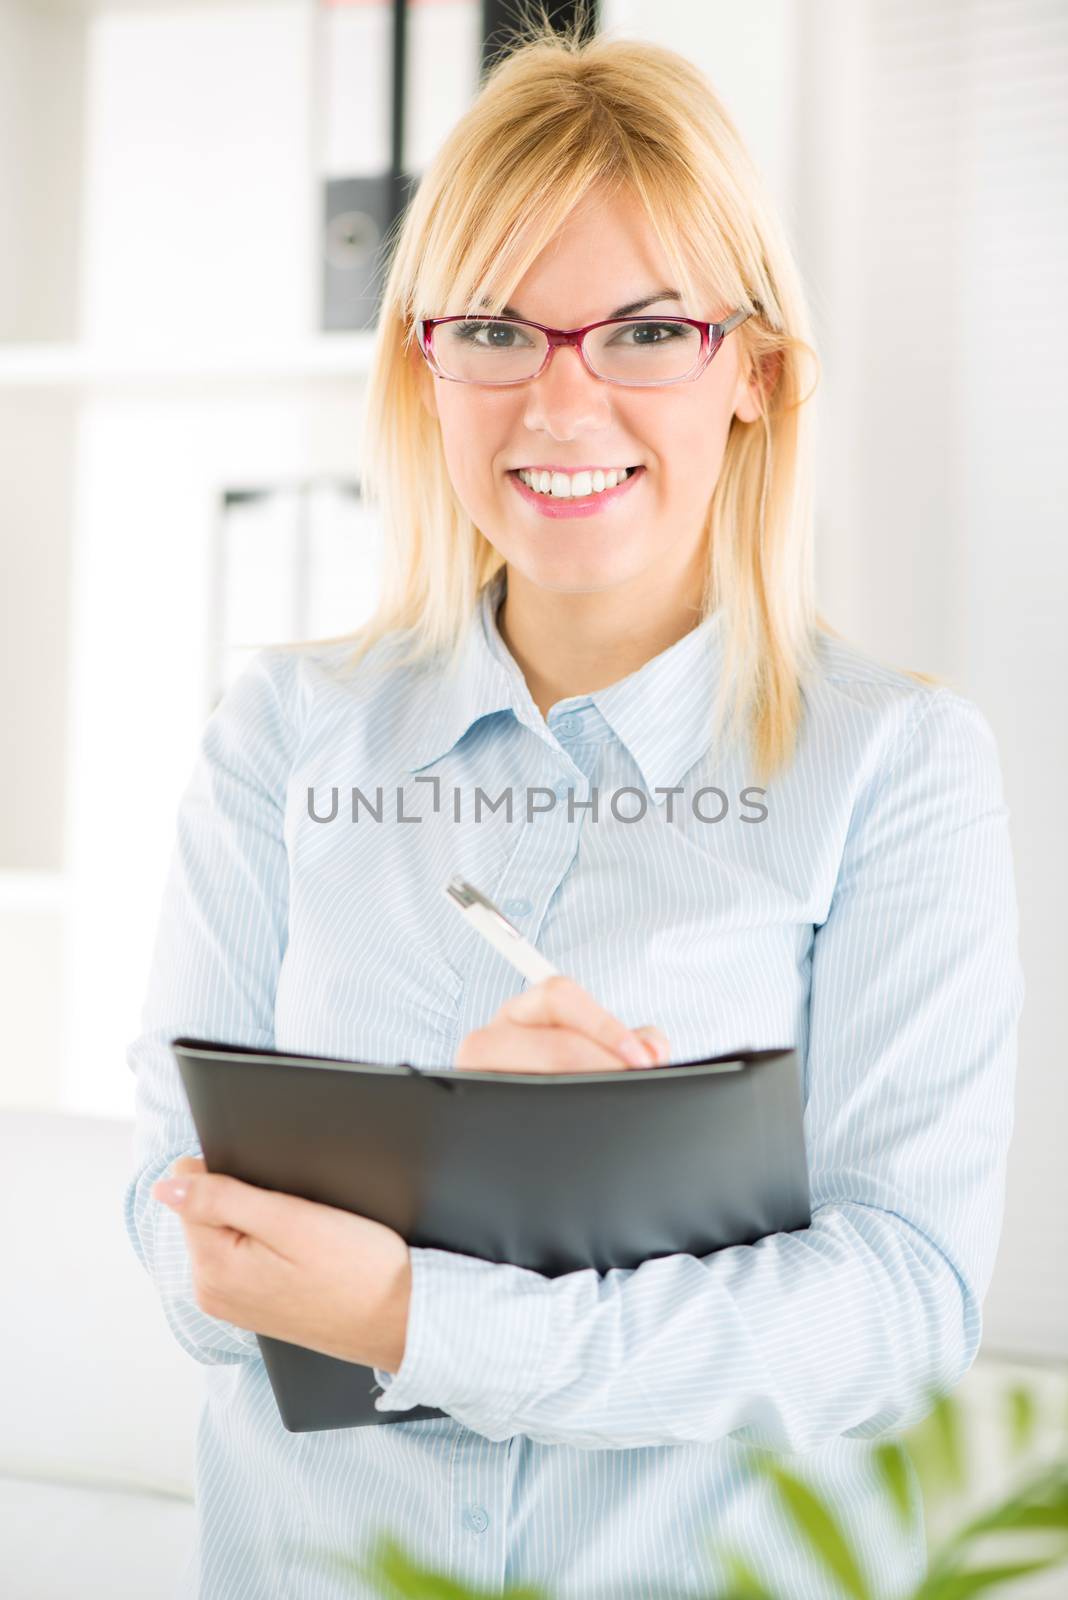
(583, 505)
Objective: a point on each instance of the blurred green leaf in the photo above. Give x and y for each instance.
(960, 1585)
(1022, 1418)
(937, 1447)
(815, 1520)
(1039, 1505)
(1041, 1502)
(398, 1577)
(744, 1583)
(946, 1421)
(891, 1463)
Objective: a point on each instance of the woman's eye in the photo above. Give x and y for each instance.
(497, 335)
(652, 333)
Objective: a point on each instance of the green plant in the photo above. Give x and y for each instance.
(1034, 1514)
(1032, 1518)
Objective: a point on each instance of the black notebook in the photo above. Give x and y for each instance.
(551, 1171)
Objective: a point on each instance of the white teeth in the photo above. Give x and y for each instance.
(563, 485)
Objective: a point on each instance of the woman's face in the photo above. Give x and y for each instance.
(604, 258)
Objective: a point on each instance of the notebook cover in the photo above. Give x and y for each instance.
(551, 1171)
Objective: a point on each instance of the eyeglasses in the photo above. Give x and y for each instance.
(640, 352)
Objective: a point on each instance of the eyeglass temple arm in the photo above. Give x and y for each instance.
(733, 321)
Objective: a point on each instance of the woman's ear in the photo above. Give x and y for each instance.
(749, 402)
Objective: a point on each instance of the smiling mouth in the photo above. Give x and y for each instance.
(564, 487)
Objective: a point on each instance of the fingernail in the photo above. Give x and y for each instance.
(633, 1050)
(170, 1191)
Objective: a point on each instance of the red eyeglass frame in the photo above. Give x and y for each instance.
(712, 336)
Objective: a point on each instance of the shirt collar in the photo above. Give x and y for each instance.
(661, 713)
(481, 686)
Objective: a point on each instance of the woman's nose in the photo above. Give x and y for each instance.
(566, 400)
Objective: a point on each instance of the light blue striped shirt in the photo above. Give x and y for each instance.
(596, 1421)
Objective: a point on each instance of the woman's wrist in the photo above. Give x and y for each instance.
(391, 1323)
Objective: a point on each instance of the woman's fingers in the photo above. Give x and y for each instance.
(561, 1002)
(504, 1046)
(658, 1040)
(557, 1026)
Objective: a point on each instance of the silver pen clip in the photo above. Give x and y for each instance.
(466, 895)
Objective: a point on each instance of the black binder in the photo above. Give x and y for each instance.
(551, 1171)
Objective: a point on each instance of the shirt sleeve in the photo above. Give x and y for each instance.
(848, 1326)
(219, 945)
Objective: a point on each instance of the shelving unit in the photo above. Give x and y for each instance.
(32, 891)
(77, 366)
(159, 340)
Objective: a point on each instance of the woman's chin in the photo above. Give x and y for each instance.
(580, 571)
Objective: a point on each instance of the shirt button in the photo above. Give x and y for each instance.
(476, 1518)
(560, 790)
(517, 908)
(568, 725)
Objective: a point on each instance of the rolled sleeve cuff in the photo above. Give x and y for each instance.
(477, 1333)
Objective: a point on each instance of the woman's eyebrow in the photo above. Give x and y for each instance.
(621, 311)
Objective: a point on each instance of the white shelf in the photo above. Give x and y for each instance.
(32, 891)
(65, 365)
(89, 8)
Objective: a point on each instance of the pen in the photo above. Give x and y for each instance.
(484, 916)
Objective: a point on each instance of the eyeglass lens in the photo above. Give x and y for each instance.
(508, 352)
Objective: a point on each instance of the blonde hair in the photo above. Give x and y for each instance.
(559, 116)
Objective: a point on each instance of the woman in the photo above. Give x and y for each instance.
(827, 866)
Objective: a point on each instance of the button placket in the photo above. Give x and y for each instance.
(543, 856)
(480, 1516)
(520, 906)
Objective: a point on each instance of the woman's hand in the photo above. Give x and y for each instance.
(292, 1269)
(557, 1026)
